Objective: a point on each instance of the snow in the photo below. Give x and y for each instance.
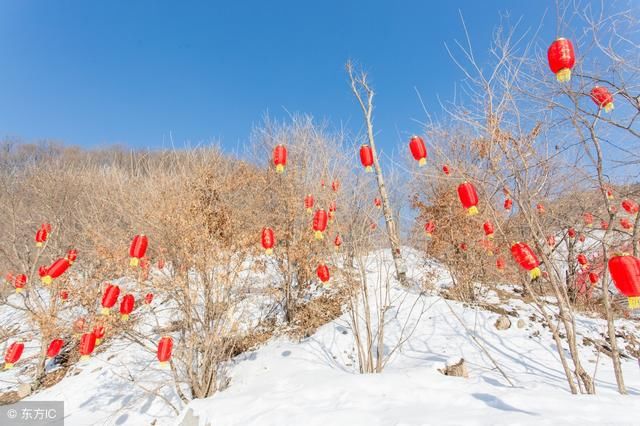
(315, 381)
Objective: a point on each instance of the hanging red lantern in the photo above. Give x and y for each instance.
(500, 264)
(526, 258)
(42, 271)
(561, 59)
(138, 249)
(540, 209)
(602, 97)
(609, 194)
(429, 228)
(109, 298)
(333, 206)
(366, 158)
(87, 345)
(463, 246)
(319, 223)
(626, 224)
(323, 273)
(582, 260)
(337, 242)
(335, 185)
(446, 170)
(72, 255)
(378, 202)
(551, 240)
(322, 183)
(64, 294)
(373, 226)
(13, 354)
(625, 273)
(487, 245)
(54, 348)
(581, 238)
(20, 282)
(56, 269)
(41, 236)
(308, 203)
(508, 203)
(148, 298)
(418, 150)
(160, 264)
(468, 197)
(99, 332)
(165, 347)
(126, 306)
(571, 232)
(268, 240)
(280, 157)
(630, 206)
(604, 225)
(588, 219)
(488, 229)
(593, 277)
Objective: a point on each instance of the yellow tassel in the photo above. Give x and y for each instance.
(47, 280)
(38, 244)
(608, 107)
(490, 236)
(429, 235)
(8, 365)
(489, 253)
(564, 75)
(318, 235)
(268, 252)
(309, 211)
(124, 317)
(98, 341)
(84, 357)
(472, 211)
(535, 273)
(105, 311)
(422, 162)
(134, 261)
(634, 302)
(164, 365)
(279, 168)
(18, 290)
(368, 169)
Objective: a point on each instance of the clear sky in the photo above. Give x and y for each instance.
(133, 72)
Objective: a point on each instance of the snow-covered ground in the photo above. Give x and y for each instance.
(315, 381)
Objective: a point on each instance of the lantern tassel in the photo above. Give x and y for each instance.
(608, 107)
(8, 365)
(634, 302)
(422, 162)
(124, 317)
(98, 341)
(47, 280)
(104, 311)
(18, 290)
(164, 365)
(268, 252)
(318, 235)
(309, 211)
(429, 235)
(38, 244)
(564, 75)
(490, 236)
(134, 261)
(84, 357)
(279, 168)
(472, 211)
(368, 169)
(535, 273)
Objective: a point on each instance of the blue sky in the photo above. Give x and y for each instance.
(134, 72)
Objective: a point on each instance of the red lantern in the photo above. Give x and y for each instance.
(138, 249)
(602, 98)
(64, 294)
(582, 260)
(571, 232)
(500, 264)
(335, 185)
(148, 298)
(604, 225)
(54, 348)
(418, 150)
(87, 345)
(625, 273)
(14, 352)
(488, 229)
(165, 347)
(109, 298)
(72, 255)
(593, 277)
(551, 240)
(337, 242)
(373, 226)
(41, 236)
(19, 282)
(508, 203)
(126, 306)
(429, 228)
(445, 170)
(160, 264)
(99, 332)
(581, 238)
(319, 223)
(42, 271)
(366, 157)
(630, 206)
(463, 247)
(561, 59)
(540, 209)
(378, 202)
(55, 270)
(468, 197)
(268, 240)
(323, 273)
(332, 206)
(280, 158)
(526, 258)
(624, 222)
(610, 194)
(308, 203)
(588, 219)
